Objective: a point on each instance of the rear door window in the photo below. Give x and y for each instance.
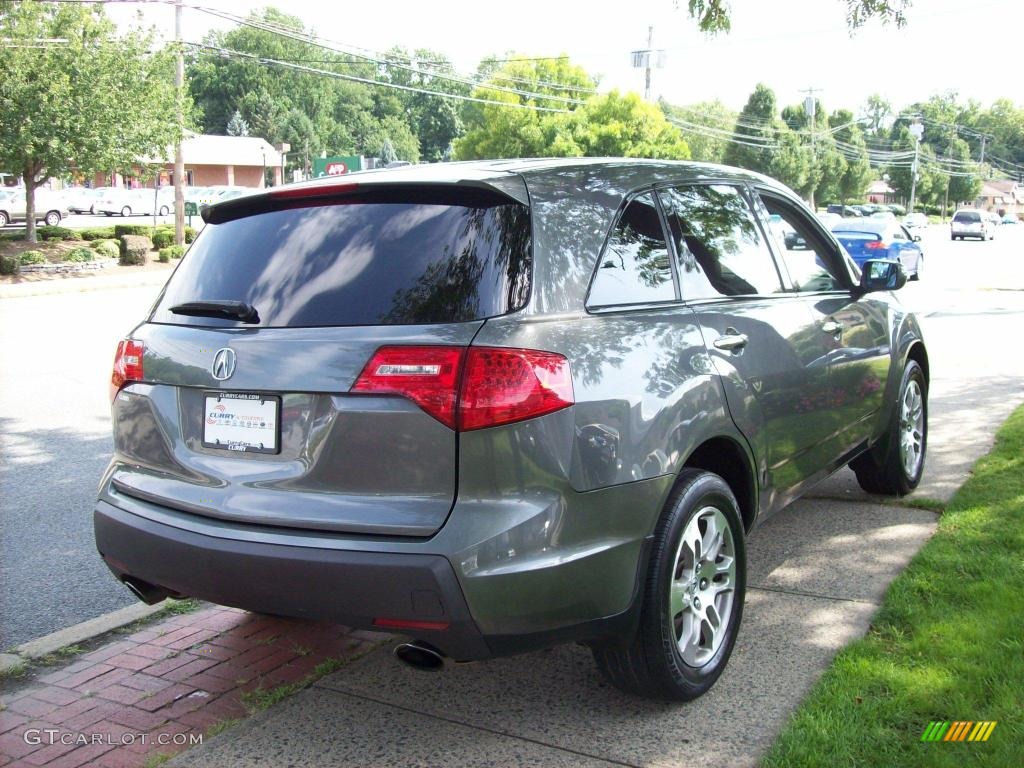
(379, 258)
(718, 243)
(635, 267)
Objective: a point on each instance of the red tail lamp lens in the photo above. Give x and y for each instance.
(429, 376)
(498, 385)
(501, 386)
(127, 365)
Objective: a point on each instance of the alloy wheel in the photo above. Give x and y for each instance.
(703, 586)
(912, 428)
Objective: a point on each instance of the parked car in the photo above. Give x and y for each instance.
(881, 239)
(83, 199)
(50, 208)
(845, 211)
(135, 202)
(969, 222)
(915, 221)
(1009, 218)
(503, 405)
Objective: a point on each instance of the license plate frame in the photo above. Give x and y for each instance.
(252, 405)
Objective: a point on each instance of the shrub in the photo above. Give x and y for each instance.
(108, 249)
(57, 233)
(163, 238)
(134, 250)
(80, 254)
(97, 233)
(9, 265)
(120, 230)
(32, 257)
(172, 252)
(190, 234)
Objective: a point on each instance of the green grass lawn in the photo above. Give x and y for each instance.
(947, 644)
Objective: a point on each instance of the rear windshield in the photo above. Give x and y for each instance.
(375, 259)
(968, 216)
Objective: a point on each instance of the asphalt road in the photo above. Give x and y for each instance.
(56, 351)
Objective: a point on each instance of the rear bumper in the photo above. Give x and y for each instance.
(352, 588)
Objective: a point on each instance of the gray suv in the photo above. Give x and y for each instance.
(499, 406)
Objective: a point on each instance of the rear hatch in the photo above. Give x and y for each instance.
(247, 414)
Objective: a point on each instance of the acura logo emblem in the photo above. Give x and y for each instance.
(224, 364)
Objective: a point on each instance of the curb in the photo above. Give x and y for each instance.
(81, 282)
(86, 630)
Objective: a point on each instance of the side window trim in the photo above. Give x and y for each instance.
(827, 241)
(743, 188)
(629, 198)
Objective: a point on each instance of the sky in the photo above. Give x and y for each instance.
(971, 47)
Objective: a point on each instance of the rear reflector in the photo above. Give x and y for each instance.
(410, 624)
(875, 245)
(127, 365)
(471, 389)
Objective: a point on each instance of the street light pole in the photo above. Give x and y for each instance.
(917, 131)
(179, 158)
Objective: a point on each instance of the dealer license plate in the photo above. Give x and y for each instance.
(241, 421)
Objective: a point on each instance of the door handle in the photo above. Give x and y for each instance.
(831, 326)
(731, 340)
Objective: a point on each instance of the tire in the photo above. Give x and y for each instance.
(126, 211)
(4, 219)
(893, 467)
(108, 213)
(656, 662)
(918, 268)
(164, 210)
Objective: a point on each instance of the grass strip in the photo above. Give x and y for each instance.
(947, 643)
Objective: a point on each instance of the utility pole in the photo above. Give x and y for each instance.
(983, 137)
(179, 159)
(916, 129)
(811, 110)
(647, 73)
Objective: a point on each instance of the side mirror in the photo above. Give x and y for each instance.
(882, 275)
(917, 238)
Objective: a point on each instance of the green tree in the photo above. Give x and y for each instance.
(237, 125)
(713, 15)
(520, 129)
(960, 187)
(878, 111)
(624, 125)
(857, 173)
(89, 102)
(706, 142)
(757, 129)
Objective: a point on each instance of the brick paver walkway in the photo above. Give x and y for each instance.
(163, 687)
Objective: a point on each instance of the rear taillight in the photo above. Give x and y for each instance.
(875, 245)
(501, 385)
(471, 389)
(127, 365)
(429, 376)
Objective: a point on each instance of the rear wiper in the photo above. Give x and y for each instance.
(229, 310)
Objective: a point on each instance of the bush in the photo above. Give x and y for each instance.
(120, 230)
(9, 265)
(108, 249)
(97, 233)
(80, 254)
(190, 234)
(57, 233)
(32, 257)
(163, 238)
(134, 250)
(172, 252)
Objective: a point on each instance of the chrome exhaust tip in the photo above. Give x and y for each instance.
(420, 656)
